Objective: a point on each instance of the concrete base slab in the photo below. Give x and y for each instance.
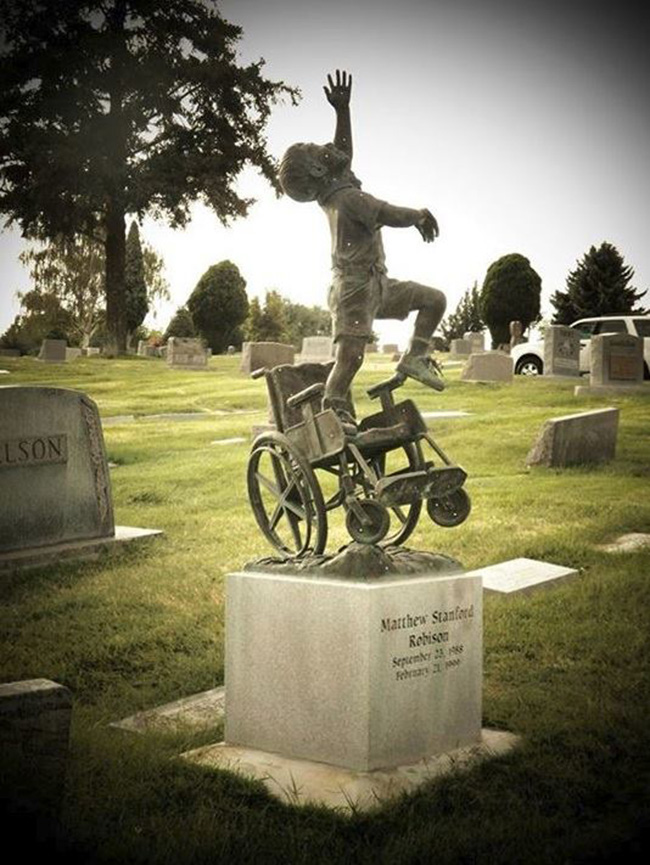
(73, 550)
(522, 576)
(198, 711)
(444, 414)
(627, 543)
(302, 782)
(612, 390)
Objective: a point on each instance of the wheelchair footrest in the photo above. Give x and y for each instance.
(408, 487)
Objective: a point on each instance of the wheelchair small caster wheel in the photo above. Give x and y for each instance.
(450, 510)
(378, 521)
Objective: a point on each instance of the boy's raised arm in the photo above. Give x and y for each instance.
(338, 96)
(404, 217)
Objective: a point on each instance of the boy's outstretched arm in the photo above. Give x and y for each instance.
(338, 96)
(405, 217)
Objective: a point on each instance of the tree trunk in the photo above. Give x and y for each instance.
(115, 292)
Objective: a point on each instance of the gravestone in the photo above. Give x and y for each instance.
(460, 348)
(516, 333)
(186, 353)
(488, 366)
(72, 353)
(316, 349)
(476, 341)
(616, 359)
(91, 351)
(256, 355)
(578, 439)
(372, 348)
(56, 490)
(390, 348)
(53, 350)
(34, 737)
(55, 481)
(561, 350)
(9, 352)
(146, 350)
(363, 674)
(231, 349)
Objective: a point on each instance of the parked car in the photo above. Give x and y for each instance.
(528, 357)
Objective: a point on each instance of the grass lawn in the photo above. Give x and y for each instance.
(566, 669)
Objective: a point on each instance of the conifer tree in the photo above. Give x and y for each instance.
(599, 285)
(136, 300)
(511, 292)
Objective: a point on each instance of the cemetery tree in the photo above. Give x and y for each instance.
(219, 305)
(117, 107)
(511, 292)
(181, 324)
(42, 317)
(600, 285)
(466, 316)
(135, 287)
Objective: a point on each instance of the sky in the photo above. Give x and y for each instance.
(523, 127)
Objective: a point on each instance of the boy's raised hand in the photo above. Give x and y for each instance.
(427, 226)
(338, 94)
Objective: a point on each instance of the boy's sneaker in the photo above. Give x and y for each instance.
(423, 369)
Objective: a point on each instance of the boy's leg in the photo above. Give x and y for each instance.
(415, 362)
(347, 362)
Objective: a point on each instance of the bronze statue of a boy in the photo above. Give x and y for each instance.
(361, 290)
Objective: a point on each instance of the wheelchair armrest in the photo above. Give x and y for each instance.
(306, 395)
(385, 387)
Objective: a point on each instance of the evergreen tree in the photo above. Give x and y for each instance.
(136, 300)
(598, 286)
(511, 292)
(466, 316)
(117, 107)
(218, 305)
(181, 324)
(253, 324)
(273, 325)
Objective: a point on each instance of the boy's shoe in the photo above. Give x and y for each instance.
(348, 422)
(423, 369)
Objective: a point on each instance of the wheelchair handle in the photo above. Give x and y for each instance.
(258, 373)
(308, 393)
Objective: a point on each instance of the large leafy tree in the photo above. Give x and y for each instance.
(117, 107)
(599, 285)
(219, 305)
(511, 292)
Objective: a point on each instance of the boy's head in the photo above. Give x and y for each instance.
(307, 170)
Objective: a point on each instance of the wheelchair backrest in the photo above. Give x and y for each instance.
(286, 380)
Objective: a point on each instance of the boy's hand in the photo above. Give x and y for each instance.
(427, 226)
(338, 94)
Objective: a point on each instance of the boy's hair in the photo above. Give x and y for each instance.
(301, 172)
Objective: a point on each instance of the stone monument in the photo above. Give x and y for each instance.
(616, 359)
(476, 341)
(53, 350)
(488, 366)
(460, 348)
(316, 349)
(56, 489)
(256, 355)
(516, 333)
(577, 439)
(561, 351)
(186, 353)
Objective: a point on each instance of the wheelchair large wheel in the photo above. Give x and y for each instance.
(285, 496)
(403, 518)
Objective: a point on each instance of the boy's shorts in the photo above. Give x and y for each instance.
(355, 302)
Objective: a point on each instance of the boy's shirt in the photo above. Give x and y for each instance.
(357, 246)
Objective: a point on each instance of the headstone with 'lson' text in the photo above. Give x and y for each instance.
(53, 469)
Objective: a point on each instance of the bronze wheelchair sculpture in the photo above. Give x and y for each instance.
(382, 507)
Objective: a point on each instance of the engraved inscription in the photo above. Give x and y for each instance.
(34, 451)
(434, 644)
(623, 367)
